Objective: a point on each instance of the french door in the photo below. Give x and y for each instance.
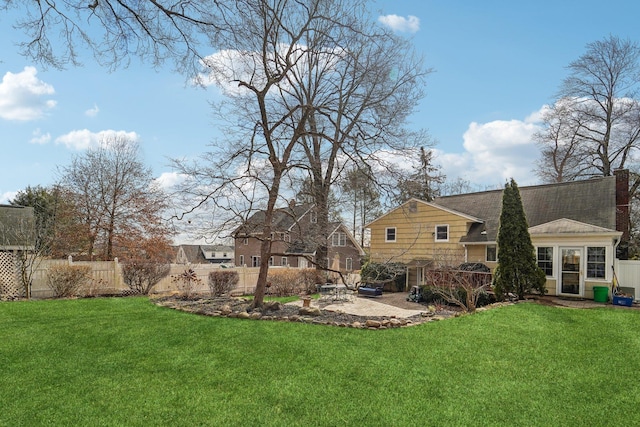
(570, 277)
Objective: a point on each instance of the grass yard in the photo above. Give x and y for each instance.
(124, 361)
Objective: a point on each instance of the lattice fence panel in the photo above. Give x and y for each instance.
(9, 284)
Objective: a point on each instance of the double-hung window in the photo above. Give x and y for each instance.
(544, 257)
(596, 258)
(339, 239)
(442, 233)
(491, 253)
(390, 234)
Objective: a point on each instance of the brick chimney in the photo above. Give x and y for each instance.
(622, 206)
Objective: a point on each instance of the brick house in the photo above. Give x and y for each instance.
(293, 242)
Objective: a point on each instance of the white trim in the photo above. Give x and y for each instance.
(435, 233)
(395, 234)
(433, 205)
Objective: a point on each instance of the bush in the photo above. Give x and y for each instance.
(431, 296)
(142, 276)
(393, 273)
(67, 280)
(292, 281)
(186, 282)
(222, 282)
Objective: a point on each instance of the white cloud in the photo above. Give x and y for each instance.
(84, 138)
(6, 196)
(92, 112)
(495, 152)
(168, 180)
(39, 137)
(23, 96)
(410, 24)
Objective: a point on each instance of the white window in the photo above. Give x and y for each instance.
(314, 217)
(349, 264)
(285, 262)
(492, 253)
(596, 258)
(442, 233)
(245, 241)
(241, 260)
(271, 261)
(255, 261)
(544, 256)
(339, 239)
(390, 234)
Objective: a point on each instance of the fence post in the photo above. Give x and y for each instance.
(116, 275)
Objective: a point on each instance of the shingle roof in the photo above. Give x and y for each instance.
(194, 254)
(591, 201)
(284, 219)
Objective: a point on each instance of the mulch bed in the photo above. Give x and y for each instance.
(241, 308)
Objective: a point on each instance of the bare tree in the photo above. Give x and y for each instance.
(361, 87)
(114, 30)
(560, 144)
(361, 199)
(595, 126)
(245, 176)
(115, 196)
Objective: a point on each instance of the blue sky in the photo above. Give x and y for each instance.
(497, 63)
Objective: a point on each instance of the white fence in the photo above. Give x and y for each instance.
(107, 278)
(628, 273)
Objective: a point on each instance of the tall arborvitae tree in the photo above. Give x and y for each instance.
(517, 270)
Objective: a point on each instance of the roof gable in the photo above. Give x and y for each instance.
(569, 226)
(408, 206)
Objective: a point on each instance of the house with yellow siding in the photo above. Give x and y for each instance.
(578, 230)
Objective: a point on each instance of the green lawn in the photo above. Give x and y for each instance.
(124, 361)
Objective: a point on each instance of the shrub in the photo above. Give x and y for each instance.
(67, 280)
(222, 282)
(393, 273)
(309, 277)
(142, 276)
(293, 281)
(186, 282)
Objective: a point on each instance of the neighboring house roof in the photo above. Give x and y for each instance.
(17, 228)
(197, 254)
(284, 219)
(591, 201)
(216, 248)
(193, 254)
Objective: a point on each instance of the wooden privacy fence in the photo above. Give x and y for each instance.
(106, 278)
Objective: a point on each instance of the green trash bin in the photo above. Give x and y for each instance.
(600, 293)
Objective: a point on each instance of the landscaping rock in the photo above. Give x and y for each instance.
(370, 323)
(309, 311)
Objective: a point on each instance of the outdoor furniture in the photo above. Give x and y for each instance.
(332, 292)
(370, 290)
